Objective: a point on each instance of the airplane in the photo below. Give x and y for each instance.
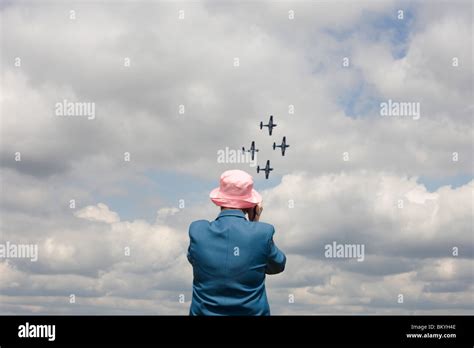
(283, 146)
(267, 169)
(270, 125)
(252, 149)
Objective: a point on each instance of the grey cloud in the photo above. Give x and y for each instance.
(138, 107)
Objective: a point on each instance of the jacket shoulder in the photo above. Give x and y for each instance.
(195, 225)
(198, 222)
(267, 229)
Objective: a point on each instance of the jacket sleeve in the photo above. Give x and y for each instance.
(276, 258)
(189, 254)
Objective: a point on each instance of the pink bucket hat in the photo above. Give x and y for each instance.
(235, 191)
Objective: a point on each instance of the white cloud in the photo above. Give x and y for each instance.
(364, 207)
(98, 213)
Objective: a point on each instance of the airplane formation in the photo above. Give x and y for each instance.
(283, 146)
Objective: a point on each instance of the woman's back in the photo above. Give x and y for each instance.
(230, 257)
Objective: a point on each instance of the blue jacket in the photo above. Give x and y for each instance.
(230, 257)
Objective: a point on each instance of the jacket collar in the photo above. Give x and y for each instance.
(231, 212)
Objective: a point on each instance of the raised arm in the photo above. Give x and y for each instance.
(276, 258)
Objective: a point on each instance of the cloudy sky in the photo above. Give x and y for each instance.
(172, 84)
